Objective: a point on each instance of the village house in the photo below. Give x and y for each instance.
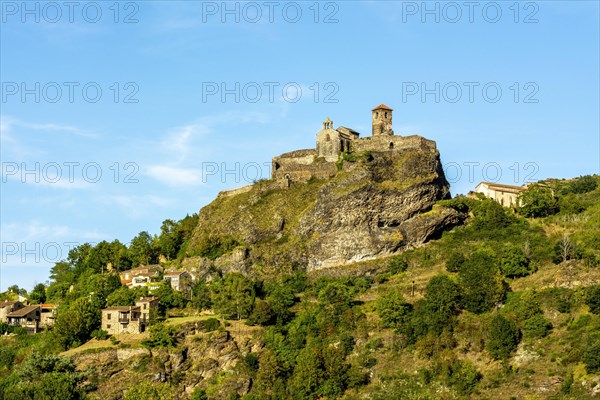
(27, 317)
(6, 307)
(130, 319)
(506, 195)
(180, 281)
(47, 315)
(141, 276)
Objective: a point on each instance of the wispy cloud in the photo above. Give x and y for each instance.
(137, 205)
(175, 176)
(7, 124)
(36, 231)
(182, 145)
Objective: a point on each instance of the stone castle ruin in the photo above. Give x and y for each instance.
(320, 163)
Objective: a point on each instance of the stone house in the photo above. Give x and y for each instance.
(180, 281)
(47, 315)
(27, 317)
(129, 319)
(506, 195)
(140, 276)
(6, 307)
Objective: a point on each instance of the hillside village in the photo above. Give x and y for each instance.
(350, 274)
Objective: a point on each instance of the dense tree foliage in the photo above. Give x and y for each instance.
(480, 280)
(537, 201)
(503, 338)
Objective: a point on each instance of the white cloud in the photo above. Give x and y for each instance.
(175, 176)
(8, 123)
(35, 231)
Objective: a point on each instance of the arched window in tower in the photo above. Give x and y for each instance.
(391, 145)
(376, 115)
(386, 114)
(327, 138)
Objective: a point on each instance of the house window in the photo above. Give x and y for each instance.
(107, 326)
(108, 316)
(145, 306)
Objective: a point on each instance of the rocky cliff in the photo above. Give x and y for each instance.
(377, 204)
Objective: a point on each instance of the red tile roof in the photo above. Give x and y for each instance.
(382, 107)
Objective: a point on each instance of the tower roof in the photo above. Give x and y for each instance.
(382, 107)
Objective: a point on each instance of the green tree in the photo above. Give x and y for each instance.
(262, 314)
(281, 297)
(308, 374)
(141, 250)
(397, 264)
(335, 371)
(168, 297)
(536, 327)
(201, 299)
(393, 310)
(455, 261)
(490, 216)
(233, 296)
(591, 355)
(124, 296)
(442, 303)
(45, 377)
(583, 184)
(504, 336)
(38, 294)
(268, 372)
(75, 324)
(481, 282)
(161, 336)
(537, 201)
(592, 298)
(514, 263)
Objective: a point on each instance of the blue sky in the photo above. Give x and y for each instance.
(118, 115)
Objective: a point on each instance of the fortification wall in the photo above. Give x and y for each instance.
(303, 173)
(391, 143)
(233, 192)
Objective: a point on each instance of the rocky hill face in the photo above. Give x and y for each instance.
(377, 204)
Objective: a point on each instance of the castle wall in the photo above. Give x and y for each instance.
(304, 173)
(391, 143)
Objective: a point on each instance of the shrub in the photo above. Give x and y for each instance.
(262, 314)
(397, 264)
(210, 324)
(592, 298)
(162, 336)
(100, 334)
(503, 338)
(480, 282)
(591, 356)
(454, 262)
(583, 184)
(514, 263)
(537, 201)
(393, 310)
(463, 376)
(537, 327)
